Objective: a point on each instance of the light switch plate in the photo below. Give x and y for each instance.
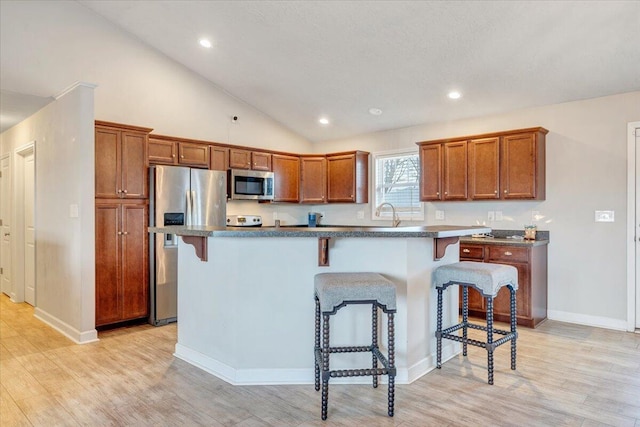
(440, 214)
(605, 216)
(360, 215)
(498, 215)
(491, 215)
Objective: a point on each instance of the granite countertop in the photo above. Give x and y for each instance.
(438, 231)
(504, 237)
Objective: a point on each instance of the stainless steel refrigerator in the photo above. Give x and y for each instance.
(178, 196)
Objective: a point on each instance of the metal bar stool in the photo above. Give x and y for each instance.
(336, 290)
(488, 279)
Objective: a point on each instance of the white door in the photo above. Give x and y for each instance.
(5, 228)
(29, 228)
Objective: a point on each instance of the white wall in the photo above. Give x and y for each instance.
(586, 170)
(64, 141)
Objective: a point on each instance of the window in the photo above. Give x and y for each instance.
(396, 175)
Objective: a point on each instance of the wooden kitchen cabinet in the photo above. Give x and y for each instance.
(484, 168)
(219, 158)
(166, 150)
(443, 171)
(122, 286)
(246, 159)
(347, 177)
(522, 166)
(195, 155)
(507, 165)
(120, 161)
(531, 296)
(286, 171)
(313, 179)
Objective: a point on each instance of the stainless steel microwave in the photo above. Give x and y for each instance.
(250, 185)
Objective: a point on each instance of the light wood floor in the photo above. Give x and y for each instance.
(567, 376)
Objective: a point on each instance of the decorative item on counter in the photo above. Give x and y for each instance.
(530, 232)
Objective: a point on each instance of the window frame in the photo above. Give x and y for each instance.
(386, 213)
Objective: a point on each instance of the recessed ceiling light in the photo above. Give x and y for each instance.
(323, 121)
(205, 43)
(375, 111)
(454, 95)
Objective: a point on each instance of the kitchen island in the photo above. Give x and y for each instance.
(246, 306)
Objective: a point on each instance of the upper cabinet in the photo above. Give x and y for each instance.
(120, 161)
(219, 158)
(175, 151)
(287, 178)
(506, 165)
(313, 179)
(246, 159)
(347, 177)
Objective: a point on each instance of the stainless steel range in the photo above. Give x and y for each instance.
(244, 221)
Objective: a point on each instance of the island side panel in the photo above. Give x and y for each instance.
(246, 315)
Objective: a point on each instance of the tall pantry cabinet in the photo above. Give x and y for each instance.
(122, 212)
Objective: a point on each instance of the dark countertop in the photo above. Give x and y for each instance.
(503, 237)
(438, 231)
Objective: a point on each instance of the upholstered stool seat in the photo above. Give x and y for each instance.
(488, 279)
(336, 290)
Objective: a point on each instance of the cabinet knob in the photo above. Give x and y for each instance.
(437, 193)
(119, 233)
(182, 157)
(125, 233)
(119, 191)
(173, 155)
(495, 192)
(505, 191)
(446, 192)
(507, 253)
(466, 251)
(124, 191)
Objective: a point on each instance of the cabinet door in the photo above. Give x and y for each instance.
(108, 280)
(313, 179)
(135, 250)
(134, 166)
(287, 178)
(341, 180)
(519, 258)
(483, 168)
(455, 170)
(219, 158)
(162, 152)
(107, 163)
(519, 166)
(196, 155)
(502, 302)
(260, 161)
(431, 172)
(239, 159)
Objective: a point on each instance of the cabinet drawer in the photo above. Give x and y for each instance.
(469, 251)
(508, 254)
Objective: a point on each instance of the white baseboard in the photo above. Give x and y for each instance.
(584, 319)
(300, 376)
(65, 329)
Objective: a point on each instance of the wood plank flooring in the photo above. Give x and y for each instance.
(567, 375)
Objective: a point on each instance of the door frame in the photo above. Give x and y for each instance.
(632, 170)
(8, 207)
(17, 241)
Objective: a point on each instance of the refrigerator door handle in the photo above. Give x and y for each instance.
(195, 208)
(189, 208)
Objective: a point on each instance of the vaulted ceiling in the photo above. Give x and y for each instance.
(297, 61)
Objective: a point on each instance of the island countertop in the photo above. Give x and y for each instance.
(434, 231)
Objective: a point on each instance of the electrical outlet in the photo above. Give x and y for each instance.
(439, 214)
(605, 216)
(360, 215)
(491, 215)
(275, 216)
(498, 215)
(535, 216)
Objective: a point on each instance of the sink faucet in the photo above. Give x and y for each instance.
(396, 219)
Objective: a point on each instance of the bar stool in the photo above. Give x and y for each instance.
(488, 279)
(336, 290)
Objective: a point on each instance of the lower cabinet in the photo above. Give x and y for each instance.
(122, 263)
(531, 296)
